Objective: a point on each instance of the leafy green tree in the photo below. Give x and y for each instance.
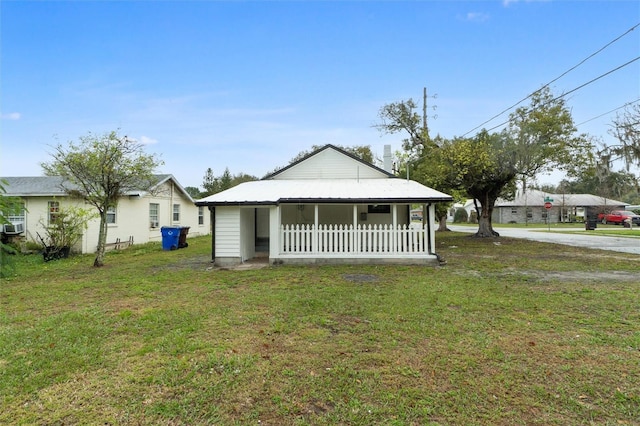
(193, 191)
(242, 178)
(213, 184)
(8, 206)
(402, 117)
(209, 183)
(540, 138)
(422, 154)
(544, 139)
(620, 185)
(100, 169)
(626, 129)
(224, 181)
(484, 168)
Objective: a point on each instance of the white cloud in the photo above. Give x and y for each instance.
(145, 140)
(477, 17)
(506, 3)
(10, 116)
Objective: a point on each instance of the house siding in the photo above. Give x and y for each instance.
(132, 217)
(329, 164)
(227, 228)
(519, 215)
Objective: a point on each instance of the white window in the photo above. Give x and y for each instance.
(200, 215)
(17, 216)
(154, 211)
(54, 211)
(111, 215)
(176, 212)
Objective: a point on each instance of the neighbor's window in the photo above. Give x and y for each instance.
(154, 209)
(529, 213)
(18, 215)
(111, 215)
(54, 211)
(176, 212)
(514, 210)
(200, 215)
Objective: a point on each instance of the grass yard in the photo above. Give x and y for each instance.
(508, 332)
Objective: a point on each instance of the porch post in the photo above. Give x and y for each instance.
(212, 224)
(394, 215)
(355, 235)
(274, 231)
(431, 210)
(316, 222)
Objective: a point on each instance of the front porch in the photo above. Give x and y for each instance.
(365, 234)
(400, 244)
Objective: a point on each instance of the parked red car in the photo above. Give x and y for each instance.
(620, 217)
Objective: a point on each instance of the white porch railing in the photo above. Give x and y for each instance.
(376, 240)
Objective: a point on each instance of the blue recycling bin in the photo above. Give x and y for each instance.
(170, 237)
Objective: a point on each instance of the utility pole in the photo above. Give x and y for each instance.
(425, 127)
(424, 109)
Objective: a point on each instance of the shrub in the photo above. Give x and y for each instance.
(460, 216)
(66, 230)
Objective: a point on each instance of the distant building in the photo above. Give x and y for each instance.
(529, 207)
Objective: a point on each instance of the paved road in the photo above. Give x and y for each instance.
(620, 244)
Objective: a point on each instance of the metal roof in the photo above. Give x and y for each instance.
(52, 186)
(384, 190)
(536, 198)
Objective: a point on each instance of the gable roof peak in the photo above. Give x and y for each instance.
(323, 149)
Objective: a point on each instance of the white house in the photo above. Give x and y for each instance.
(329, 207)
(139, 215)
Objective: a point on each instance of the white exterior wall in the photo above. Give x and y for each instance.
(37, 216)
(227, 232)
(329, 164)
(132, 218)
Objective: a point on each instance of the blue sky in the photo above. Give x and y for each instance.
(248, 85)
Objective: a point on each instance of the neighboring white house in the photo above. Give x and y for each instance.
(329, 207)
(138, 216)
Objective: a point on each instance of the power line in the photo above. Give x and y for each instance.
(574, 89)
(608, 112)
(554, 80)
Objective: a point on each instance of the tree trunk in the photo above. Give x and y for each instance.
(442, 224)
(102, 240)
(485, 228)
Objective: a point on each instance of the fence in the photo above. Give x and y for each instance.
(119, 244)
(347, 239)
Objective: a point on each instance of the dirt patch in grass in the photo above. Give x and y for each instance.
(360, 278)
(589, 276)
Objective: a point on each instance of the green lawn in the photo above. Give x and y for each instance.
(508, 332)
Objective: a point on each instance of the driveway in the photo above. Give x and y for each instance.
(557, 236)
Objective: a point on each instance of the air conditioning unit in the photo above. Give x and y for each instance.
(154, 224)
(13, 228)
